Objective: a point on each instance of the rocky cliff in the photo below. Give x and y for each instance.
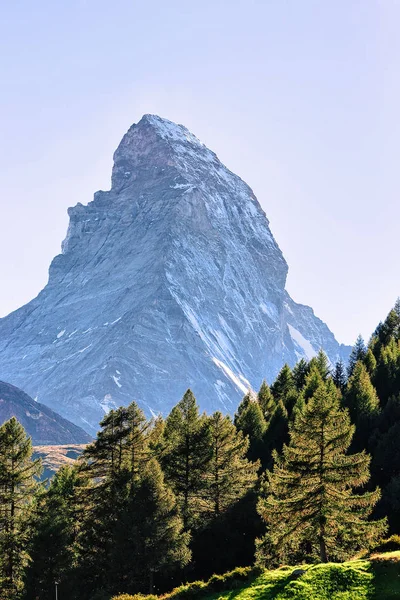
(171, 279)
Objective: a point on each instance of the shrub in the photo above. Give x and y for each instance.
(190, 591)
(389, 545)
(134, 597)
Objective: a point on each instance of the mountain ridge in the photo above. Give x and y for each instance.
(170, 279)
(42, 424)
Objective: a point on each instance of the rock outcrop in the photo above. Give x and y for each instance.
(171, 279)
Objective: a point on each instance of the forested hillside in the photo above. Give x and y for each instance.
(307, 471)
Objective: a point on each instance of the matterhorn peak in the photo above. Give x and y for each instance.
(171, 279)
(162, 145)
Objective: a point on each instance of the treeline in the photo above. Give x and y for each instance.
(309, 469)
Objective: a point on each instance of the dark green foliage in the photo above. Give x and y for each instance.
(389, 545)
(251, 422)
(277, 434)
(266, 400)
(370, 362)
(310, 504)
(149, 533)
(363, 403)
(122, 519)
(357, 354)
(322, 364)
(18, 488)
(284, 385)
(387, 373)
(228, 540)
(339, 376)
(313, 381)
(52, 549)
(300, 372)
(187, 457)
(229, 475)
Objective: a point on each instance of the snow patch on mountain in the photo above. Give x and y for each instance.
(305, 348)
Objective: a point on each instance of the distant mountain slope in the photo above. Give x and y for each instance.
(55, 457)
(172, 279)
(42, 424)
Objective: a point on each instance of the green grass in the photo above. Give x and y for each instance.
(375, 578)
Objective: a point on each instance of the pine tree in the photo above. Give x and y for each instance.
(266, 400)
(284, 385)
(110, 468)
(386, 377)
(244, 404)
(230, 475)
(149, 534)
(358, 353)
(139, 434)
(187, 456)
(390, 328)
(339, 376)
(300, 372)
(52, 549)
(363, 403)
(251, 422)
(311, 498)
(321, 362)
(313, 381)
(18, 488)
(370, 362)
(276, 434)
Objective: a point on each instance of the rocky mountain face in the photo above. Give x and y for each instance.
(42, 424)
(172, 279)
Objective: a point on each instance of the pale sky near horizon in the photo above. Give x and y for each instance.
(298, 97)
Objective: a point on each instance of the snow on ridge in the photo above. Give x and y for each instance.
(172, 131)
(301, 342)
(231, 375)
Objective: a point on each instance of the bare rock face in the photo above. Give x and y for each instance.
(172, 279)
(42, 424)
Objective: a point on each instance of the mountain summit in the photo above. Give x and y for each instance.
(172, 279)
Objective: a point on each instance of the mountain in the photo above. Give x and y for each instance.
(171, 279)
(55, 457)
(42, 424)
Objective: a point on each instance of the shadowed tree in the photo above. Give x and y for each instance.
(18, 488)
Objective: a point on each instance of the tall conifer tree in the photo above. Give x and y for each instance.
(149, 534)
(18, 487)
(339, 376)
(251, 422)
(230, 475)
(310, 492)
(284, 385)
(186, 457)
(300, 372)
(358, 353)
(266, 400)
(363, 403)
(53, 548)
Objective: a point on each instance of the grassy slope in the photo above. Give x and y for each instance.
(54, 457)
(374, 579)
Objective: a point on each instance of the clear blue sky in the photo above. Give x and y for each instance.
(299, 97)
